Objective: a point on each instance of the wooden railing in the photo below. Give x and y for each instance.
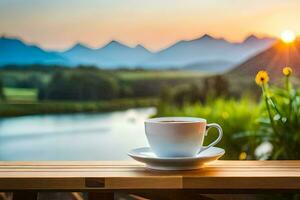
(102, 179)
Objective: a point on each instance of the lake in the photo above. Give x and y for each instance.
(102, 136)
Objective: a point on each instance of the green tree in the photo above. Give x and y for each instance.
(91, 86)
(215, 86)
(2, 95)
(81, 86)
(57, 89)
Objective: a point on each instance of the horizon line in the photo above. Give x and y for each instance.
(257, 35)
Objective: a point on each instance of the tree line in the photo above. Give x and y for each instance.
(2, 96)
(92, 84)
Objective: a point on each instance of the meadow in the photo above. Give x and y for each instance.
(129, 75)
(20, 94)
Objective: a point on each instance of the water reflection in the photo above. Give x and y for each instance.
(105, 136)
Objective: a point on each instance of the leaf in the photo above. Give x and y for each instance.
(264, 121)
(277, 117)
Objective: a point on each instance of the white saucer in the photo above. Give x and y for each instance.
(145, 155)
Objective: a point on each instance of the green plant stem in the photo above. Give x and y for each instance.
(288, 88)
(276, 109)
(287, 83)
(269, 99)
(268, 108)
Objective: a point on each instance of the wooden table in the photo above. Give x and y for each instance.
(103, 178)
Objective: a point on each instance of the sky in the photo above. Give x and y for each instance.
(156, 24)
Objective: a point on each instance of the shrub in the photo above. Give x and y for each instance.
(212, 87)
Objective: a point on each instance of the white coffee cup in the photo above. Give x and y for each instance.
(178, 136)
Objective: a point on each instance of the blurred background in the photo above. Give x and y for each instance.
(77, 80)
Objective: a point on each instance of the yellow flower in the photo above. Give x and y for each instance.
(287, 71)
(243, 156)
(262, 77)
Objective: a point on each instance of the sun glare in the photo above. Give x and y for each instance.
(288, 36)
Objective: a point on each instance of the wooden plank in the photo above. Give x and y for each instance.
(147, 182)
(104, 175)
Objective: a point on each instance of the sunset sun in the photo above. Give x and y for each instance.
(288, 36)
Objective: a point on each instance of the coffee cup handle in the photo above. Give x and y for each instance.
(209, 126)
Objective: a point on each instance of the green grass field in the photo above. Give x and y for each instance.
(167, 74)
(129, 75)
(20, 94)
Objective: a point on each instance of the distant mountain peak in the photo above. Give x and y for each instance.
(6, 37)
(113, 44)
(80, 45)
(206, 36)
(11, 41)
(251, 37)
(3, 37)
(254, 38)
(141, 47)
(16, 51)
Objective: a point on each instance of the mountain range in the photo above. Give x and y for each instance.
(204, 53)
(15, 51)
(112, 55)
